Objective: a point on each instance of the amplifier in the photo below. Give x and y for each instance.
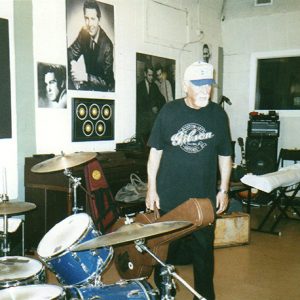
(263, 128)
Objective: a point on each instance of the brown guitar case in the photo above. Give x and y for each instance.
(131, 264)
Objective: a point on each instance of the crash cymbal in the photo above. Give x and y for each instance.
(131, 232)
(12, 208)
(64, 161)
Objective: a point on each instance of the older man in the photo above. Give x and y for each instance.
(189, 139)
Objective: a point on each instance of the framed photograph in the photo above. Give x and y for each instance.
(206, 52)
(51, 86)
(155, 77)
(93, 119)
(90, 45)
(5, 92)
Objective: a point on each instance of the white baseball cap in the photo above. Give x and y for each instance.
(200, 73)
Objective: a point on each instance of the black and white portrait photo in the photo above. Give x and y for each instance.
(155, 79)
(90, 42)
(206, 53)
(51, 86)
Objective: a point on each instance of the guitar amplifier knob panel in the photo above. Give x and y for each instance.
(268, 128)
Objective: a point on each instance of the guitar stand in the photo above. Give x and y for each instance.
(167, 272)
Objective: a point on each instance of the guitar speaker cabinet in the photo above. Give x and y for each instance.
(261, 155)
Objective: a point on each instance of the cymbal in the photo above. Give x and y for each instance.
(11, 208)
(131, 232)
(64, 161)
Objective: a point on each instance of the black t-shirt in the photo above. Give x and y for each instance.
(191, 141)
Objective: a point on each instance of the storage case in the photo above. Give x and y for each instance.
(232, 230)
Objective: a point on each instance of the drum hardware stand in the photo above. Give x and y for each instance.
(97, 281)
(5, 245)
(168, 271)
(74, 182)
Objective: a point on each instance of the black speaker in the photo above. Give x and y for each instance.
(261, 155)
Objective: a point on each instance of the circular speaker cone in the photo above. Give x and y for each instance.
(81, 111)
(100, 128)
(94, 111)
(88, 128)
(106, 112)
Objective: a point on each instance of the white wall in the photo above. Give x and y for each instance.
(248, 30)
(8, 147)
(138, 28)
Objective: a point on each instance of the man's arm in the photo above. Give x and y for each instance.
(76, 49)
(152, 169)
(225, 165)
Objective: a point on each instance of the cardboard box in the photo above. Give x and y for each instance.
(232, 230)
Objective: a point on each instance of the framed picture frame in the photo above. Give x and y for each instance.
(90, 45)
(92, 119)
(155, 86)
(5, 92)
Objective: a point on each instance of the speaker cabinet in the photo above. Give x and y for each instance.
(261, 155)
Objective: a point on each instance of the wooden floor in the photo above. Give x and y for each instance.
(266, 269)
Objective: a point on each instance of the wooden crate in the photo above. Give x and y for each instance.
(232, 230)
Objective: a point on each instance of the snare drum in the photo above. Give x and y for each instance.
(73, 268)
(33, 292)
(20, 270)
(122, 290)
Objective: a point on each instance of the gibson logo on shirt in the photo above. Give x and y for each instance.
(190, 138)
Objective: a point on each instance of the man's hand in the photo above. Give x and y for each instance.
(151, 198)
(77, 73)
(222, 202)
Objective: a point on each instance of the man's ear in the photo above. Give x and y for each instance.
(185, 86)
(62, 86)
(209, 89)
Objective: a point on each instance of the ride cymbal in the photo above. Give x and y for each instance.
(62, 162)
(11, 208)
(131, 232)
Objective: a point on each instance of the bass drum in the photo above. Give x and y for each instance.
(20, 270)
(33, 292)
(122, 290)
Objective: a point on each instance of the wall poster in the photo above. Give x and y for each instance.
(5, 92)
(90, 42)
(52, 86)
(155, 77)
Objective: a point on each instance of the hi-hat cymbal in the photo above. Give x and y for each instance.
(131, 232)
(12, 208)
(62, 162)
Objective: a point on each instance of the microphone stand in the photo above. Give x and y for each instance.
(224, 99)
(168, 271)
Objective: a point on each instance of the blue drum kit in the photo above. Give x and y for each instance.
(77, 253)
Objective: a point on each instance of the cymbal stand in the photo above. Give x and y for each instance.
(168, 271)
(5, 246)
(74, 182)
